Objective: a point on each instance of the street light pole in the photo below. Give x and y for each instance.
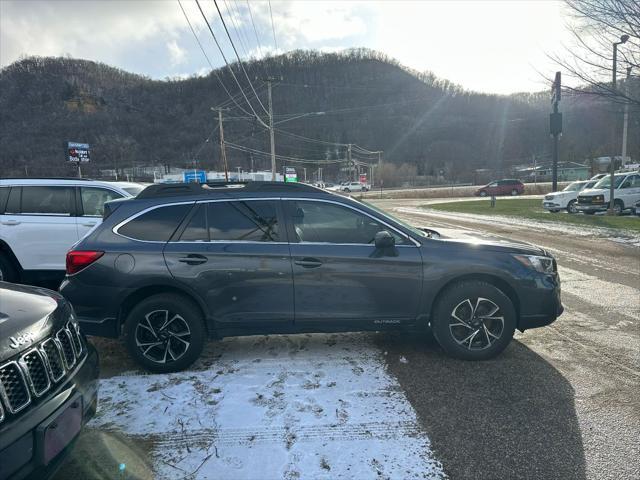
(612, 168)
(625, 124)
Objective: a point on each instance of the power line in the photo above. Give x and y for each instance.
(237, 55)
(227, 63)
(242, 39)
(284, 157)
(255, 30)
(215, 72)
(273, 27)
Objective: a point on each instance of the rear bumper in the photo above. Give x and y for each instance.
(20, 445)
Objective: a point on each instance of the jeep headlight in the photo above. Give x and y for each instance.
(536, 262)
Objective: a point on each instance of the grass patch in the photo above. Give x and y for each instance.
(531, 209)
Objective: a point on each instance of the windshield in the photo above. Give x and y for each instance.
(574, 187)
(385, 214)
(605, 182)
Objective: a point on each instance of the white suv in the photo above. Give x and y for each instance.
(40, 219)
(354, 187)
(567, 198)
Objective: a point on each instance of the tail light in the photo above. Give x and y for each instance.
(80, 259)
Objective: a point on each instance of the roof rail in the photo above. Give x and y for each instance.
(48, 178)
(184, 189)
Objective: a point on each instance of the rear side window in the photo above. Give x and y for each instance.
(13, 202)
(255, 221)
(196, 229)
(4, 195)
(93, 200)
(156, 225)
(45, 200)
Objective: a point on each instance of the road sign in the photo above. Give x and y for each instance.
(290, 174)
(363, 178)
(194, 176)
(78, 152)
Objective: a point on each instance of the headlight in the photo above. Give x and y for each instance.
(598, 198)
(539, 263)
(549, 197)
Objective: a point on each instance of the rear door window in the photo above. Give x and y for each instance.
(196, 228)
(157, 225)
(13, 202)
(249, 221)
(93, 200)
(4, 195)
(47, 200)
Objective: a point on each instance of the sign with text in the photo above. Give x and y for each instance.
(78, 152)
(195, 176)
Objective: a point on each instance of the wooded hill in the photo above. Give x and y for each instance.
(418, 120)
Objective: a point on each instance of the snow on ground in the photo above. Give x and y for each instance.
(281, 407)
(619, 236)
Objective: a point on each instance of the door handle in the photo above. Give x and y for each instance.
(93, 224)
(193, 259)
(308, 262)
(11, 223)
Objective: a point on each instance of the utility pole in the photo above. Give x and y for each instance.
(350, 162)
(625, 126)
(271, 133)
(380, 152)
(223, 153)
(555, 127)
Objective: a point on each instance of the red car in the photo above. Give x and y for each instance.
(501, 187)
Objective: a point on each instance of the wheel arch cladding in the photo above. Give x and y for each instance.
(6, 249)
(145, 292)
(497, 282)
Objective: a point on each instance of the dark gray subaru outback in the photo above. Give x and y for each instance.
(183, 262)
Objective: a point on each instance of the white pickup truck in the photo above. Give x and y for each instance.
(40, 219)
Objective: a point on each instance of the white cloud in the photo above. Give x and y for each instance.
(484, 45)
(177, 54)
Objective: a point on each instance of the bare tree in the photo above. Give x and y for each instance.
(597, 25)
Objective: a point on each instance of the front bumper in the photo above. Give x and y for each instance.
(550, 205)
(540, 302)
(594, 207)
(20, 443)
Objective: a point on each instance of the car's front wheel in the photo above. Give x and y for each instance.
(165, 333)
(571, 207)
(514, 192)
(473, 320)
(483, 193)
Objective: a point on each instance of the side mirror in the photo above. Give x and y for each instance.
(384, 239)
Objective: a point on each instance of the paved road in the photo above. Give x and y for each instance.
(564, 400)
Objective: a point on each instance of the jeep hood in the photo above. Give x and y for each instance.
(27, 315)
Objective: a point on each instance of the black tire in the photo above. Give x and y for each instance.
(150, 313)
(618, 207)
(514, 192)
(571, 207)
(8, 272)
(590, 212)
(347, 190)
(483, 193)
(450, 332)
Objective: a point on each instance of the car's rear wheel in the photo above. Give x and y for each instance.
(8, 272)
(514, 192)
(473, 320)
(165, 333)
(571, 207)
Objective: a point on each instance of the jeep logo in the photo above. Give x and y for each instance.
(21, 340)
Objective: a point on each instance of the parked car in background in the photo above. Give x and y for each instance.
(599, 176)
(597, 199)
(354, 187)
(48, 381)
(40, 219)
(567, 198)
(133, 188)
(180, 262)
(501, 187)
(636, 209)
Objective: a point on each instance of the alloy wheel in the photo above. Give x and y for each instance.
(163, 336)
(476, 324)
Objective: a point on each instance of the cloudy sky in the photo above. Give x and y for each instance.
(490, 46)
